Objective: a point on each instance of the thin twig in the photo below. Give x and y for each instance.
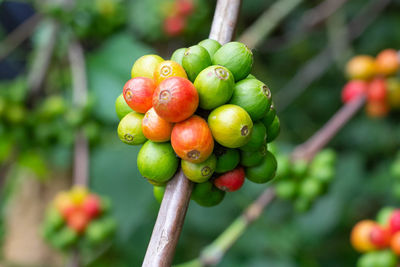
(161, 249)
(316, 67)
(264, 25)
(79, 85)
(20, 34)
(213, 253)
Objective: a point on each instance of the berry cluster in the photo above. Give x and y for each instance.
(374, 77)
(379, 240)
(303, 182)
(224, 104)
(78, 216)
(176, 20)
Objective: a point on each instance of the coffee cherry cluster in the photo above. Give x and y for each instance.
(204, 108)
(375, 78)
(303, 182)
(379, 240)
(78, 217)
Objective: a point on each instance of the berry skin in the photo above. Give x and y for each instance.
(379, 236)
(395, 243)
(377, 90)
(156, 128)
(361, 67)
(360, 236)
(175, 99)
(387, 62)
(138, 93)
(394, 221)
(78, 220)
(168, 69)
(231, 181)
(353, 90)
(91, 206)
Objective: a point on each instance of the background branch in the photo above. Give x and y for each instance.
(161, 249)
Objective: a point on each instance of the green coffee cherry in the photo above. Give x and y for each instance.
(199, 172)
(53, 219)
(130, 129)
(177, 56)
(286, 188)
(252, 95)
(227, 159)
(64, 238)
(251, 76)
(395, 169)
(257, 139)
(284, 166)
(269, 116)
(322, 174)
(207, 195)
(215, 86)
(326, 157)
(195, 59)
(273, 130)
(158, 192)
(252, 158)
(100, 230)
(302, 204)
(211, 46)
(157, 161)
(299, 168)
(235, 56)
(396, 189)
(121, 107)
(310, 188)
(263, 172)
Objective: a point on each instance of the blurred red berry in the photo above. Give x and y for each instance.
(353, 89)
(78, 220)
(231, 181)
(395, 243)
(174, 25)
(379, 236)
(185, 7)
(91, 206)
(377, 109)
(377, 90)
(394, 222)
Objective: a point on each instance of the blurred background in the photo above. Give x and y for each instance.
(300, 50)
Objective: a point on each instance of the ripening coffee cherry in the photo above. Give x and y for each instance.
(138, 93)
(195, 59)
(199, 172)
(211, 46)
(145, 66)
(236, 57)
(360, 236)
(231, 125)
(207, 195)
(192, 139)
(361, 67)
(227, 159)
(156, 128)
(379, 236)
(231, 181)
(377, 109)
(353, 90)
(393, 87)
(157, 161)
(92, 206)
(174, 25)
(387, 62)
(130, 129)
(78, 220)
(215, 86)
(263, 172)
(175, 99)
(395, 243)
(377, 90)
(253, 96)
(167, 69)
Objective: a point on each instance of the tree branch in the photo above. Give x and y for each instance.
(213, 253)
(20, 34)
(171, 216)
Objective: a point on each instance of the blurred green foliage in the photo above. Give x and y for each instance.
(281, 237)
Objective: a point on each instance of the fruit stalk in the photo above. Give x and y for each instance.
(213, 253)
(169, 223)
